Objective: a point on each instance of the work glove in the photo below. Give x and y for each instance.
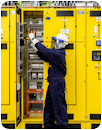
(31, 36)
(34, 41)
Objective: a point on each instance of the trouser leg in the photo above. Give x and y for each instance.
(48, 112)
(57, 89)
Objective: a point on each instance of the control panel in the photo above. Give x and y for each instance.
(96, 55)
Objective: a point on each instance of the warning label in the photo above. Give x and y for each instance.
(1, 33)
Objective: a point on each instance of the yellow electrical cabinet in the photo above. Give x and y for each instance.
(83, 62)
(10, 105)
(93, 65)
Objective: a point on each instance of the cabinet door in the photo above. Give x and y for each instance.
(5, 25)
(70, 76)
(80, 25)
(5, 64)
(13, 16)
(77, 109)
(70, 24)
(58, 19)
(52, 24)
(5, 61)
(93, 82)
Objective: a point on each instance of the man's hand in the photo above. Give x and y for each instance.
(33, 41)
(31, 36)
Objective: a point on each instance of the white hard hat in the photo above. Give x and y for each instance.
(63, 37)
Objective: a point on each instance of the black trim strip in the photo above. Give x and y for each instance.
(4, 46)
(95, 13)
(74, 126)
(9, 126)
(39, 126)
(69, 46)
(33, 126)
(70, 116)
(18, 95)
(94, 126)
(19, 13)
(18, 120)
(95, 116)
(3, 116)
(64, 13)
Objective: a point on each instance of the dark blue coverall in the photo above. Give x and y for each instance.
(55, 104)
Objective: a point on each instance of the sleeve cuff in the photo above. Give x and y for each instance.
(35, 41)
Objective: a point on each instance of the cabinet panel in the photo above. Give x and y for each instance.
(52, 24)
(5, 64)
(93, 82)
(5, 25)
(80, 25)
(70, 76)
(70, 25)
(13, 25)
(79, 108)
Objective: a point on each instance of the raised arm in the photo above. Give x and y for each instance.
(43, 52)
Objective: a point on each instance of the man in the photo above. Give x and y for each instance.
(55, 104)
